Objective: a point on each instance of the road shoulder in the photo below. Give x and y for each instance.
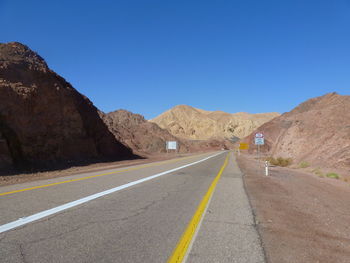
(301, 218)
(227, 232)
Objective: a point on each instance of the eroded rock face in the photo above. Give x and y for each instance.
(139, 134)
(317, 131)
(196, 124)
(146, 137)
(43, 119)
(5, 155)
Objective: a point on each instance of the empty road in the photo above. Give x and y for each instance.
(191, 209)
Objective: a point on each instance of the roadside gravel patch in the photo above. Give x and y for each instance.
(300, 217)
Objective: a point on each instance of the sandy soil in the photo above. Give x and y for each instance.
(300, 217)
(26, 177)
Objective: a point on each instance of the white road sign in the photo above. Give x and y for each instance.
(171, 145)
(259, 141)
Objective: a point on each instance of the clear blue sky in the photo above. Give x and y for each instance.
(148, 56)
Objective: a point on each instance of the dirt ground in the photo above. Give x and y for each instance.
(26, 177)
(300, 217)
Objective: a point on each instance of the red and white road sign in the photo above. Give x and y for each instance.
(259, 135)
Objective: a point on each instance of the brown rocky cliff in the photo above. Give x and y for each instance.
(43, 119)
(142, 136)
(317, 131)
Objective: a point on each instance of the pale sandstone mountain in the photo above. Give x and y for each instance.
(191, 123)
(317, 131)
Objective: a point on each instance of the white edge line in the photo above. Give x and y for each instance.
(26, 220)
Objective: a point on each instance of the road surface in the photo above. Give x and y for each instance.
(135, 214)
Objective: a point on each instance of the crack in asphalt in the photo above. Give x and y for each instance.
(21, 250)
(136, 213)
(58, 235)
(230, 223)
(2, 238)
(256, 224)
(62, 234)
(34, 223)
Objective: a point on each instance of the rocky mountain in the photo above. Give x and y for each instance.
(191, 123)
(137, 133)
(43, 119)
(317, 131)
(146, 137)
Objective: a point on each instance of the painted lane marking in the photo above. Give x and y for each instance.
(98, 175)
(25, 220)
(186, 239)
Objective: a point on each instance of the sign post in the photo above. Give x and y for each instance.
(259, 140)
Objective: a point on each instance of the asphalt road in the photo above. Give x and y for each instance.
(139, 222)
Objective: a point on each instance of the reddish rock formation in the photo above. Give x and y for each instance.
(146, 137)
(137, 133)
(43, 119)
(317, 131)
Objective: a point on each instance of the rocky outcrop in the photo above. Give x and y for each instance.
(317, 131)
(43, 119)
(190, 123)
(146, 137)
(136, 132)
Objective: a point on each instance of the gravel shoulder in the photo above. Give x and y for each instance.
(300, 217)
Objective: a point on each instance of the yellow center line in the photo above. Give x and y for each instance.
(98, 175)
(182, 246)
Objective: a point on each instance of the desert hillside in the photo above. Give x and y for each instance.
(43, 119)
(317, 131)
(191, 123)
(136, 132)
(146, 137)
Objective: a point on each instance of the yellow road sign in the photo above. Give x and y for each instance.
(244, 146)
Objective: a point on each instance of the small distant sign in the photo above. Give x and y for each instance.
(171, 145)
(259, 141)
(259, 135)
(244, 146)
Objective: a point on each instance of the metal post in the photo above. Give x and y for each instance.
(266, 168)
(257, 154)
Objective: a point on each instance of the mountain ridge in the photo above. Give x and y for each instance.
(192, 123)
(147, 138)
